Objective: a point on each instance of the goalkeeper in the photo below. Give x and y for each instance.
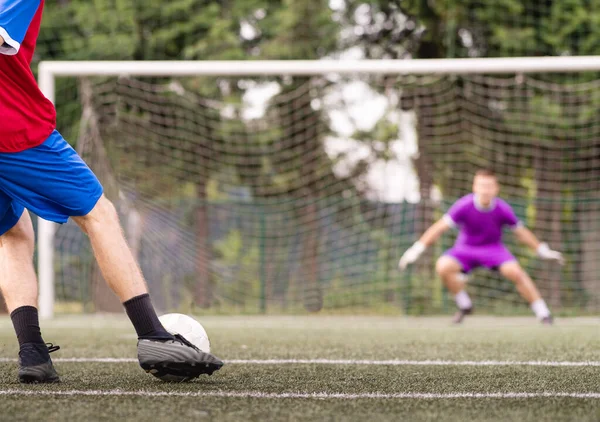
(40, 172)
(480, 218)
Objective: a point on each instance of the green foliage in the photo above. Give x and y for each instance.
(452, 28)
(304, 30)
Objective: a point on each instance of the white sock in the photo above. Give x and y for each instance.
(540, 309)
(463, 301)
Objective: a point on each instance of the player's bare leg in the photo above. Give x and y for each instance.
(158, 350)
(114, 257)
(19, 287)
(17, 274)
(450, 272)
(527, 289)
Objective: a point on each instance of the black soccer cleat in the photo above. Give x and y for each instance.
(460, 315)
(548, 320)
(35, 365)
(175, 360)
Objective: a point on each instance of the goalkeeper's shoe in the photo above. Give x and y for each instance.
(35, 365)
(460, 315)
(175, 359)
(549, 320)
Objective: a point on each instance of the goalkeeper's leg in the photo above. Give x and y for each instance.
(527, 289)
(450, 271)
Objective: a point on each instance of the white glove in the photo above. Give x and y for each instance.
(544, 252)
(411, 255)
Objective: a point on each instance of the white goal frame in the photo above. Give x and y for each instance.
(48, 71)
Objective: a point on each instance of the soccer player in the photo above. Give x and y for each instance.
(40, 172)
(480, 218)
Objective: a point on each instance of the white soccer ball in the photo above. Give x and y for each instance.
(188, 328)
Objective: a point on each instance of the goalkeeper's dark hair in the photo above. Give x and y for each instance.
(486, 172)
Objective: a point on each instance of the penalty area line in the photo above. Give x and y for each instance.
(390, 362)
(298, 395)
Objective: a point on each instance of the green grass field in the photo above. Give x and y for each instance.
(323, 368)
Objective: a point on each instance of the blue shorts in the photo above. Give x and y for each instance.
(50, 180)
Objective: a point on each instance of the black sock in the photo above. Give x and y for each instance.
(143, 317)
(27, 325)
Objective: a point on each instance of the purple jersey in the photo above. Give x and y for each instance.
(480, 226)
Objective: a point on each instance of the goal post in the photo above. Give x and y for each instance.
(49, 71)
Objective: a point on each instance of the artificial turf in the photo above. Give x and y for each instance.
(320, 337)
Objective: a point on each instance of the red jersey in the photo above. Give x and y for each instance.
(27, 117)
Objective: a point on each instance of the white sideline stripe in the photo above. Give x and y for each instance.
(261, 395)
(81, 360)
(393, 362)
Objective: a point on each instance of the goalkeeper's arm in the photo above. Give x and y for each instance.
(542, 249)
(430, 236)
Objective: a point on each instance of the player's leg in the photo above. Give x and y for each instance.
(18, 284)
(499, 257)
(17, 274)
(74, 191)
(156, 349)
(450, 270)
(527, 289)
(114, 257)
(119, 268)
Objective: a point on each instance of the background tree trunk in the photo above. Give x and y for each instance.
(313, 299)
(202, 292)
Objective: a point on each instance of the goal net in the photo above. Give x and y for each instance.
(291, 192)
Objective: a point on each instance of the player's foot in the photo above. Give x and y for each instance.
(35, 365)
(175, 360)
(461, 314)
(549, 320)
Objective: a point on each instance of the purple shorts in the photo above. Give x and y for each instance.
(471, 257)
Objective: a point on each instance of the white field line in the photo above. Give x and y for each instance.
(298, 395)
(392, 362)
(395, 362)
